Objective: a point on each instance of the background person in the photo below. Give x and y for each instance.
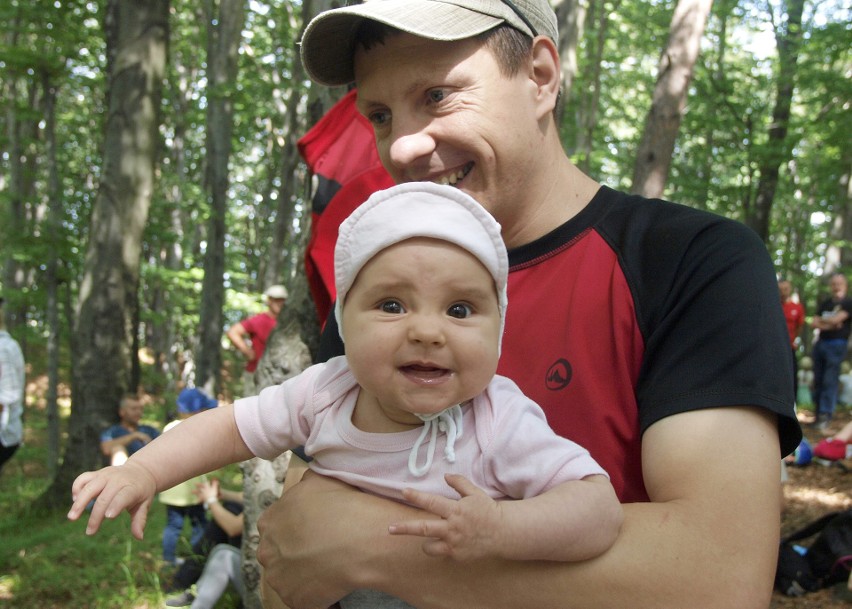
(794, 315)
(224, 528)
(181, 501)
(257, 329)
(832, 319)
(12, 386)
(631, 311)
(121, 440)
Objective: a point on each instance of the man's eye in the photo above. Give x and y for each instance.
(460, 311)
(391, 306)
(379, 117)
(436, 95)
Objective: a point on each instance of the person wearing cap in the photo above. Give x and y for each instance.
(257, 328)
(649, 332)
(181, 502)
(12, 382)
(413, 411)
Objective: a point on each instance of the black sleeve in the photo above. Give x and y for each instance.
(330, 345)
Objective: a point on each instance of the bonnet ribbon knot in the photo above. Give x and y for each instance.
(448, 421)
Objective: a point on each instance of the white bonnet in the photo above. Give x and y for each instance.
(418, 209)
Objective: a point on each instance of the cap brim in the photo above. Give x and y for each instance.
(327, 45)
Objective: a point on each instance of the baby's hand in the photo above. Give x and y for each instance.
(115, 488)
(469, 527)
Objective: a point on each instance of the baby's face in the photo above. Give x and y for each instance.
(421, 326)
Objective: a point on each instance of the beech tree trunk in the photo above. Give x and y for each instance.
(137, 39)
(225, 21)
(654, 155)
(289, 350)
(788, 37)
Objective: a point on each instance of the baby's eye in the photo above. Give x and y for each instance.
(391, 306)
(460, 310)
(436, 95)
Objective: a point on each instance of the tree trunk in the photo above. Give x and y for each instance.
(587, 113)
(137, 40)
(570, 16)
(788, 37)
(52, 234)
(654, 155)
(839, 254)
(225, 20)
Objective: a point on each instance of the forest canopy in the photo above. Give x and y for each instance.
(213, 99)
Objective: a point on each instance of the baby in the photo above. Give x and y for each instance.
(421, 273)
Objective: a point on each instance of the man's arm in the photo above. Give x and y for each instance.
(108, 447)
(830, 322)
(236, 334)
(708, 538)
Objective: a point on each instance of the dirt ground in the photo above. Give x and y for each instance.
(812, 491)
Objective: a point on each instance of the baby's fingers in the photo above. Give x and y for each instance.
(419, 528)
(436, 504)
(138, 519)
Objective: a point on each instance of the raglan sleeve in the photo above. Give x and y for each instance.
(280, 417)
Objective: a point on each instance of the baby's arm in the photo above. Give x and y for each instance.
(200, 444)
(573, 521)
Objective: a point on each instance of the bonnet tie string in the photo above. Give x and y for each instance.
(448, 421)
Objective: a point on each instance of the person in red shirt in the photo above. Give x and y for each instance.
(794, 314)
(257, 329)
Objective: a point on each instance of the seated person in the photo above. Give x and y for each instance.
(127, 436)
(225, 528)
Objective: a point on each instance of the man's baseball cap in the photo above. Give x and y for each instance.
(276, 291)
(328, 44)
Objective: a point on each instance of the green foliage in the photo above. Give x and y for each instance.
(715, 165)
(47, 561)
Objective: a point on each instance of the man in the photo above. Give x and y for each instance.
(628, 322)
(127, 436)
(794, 315)
(257, 328)
(11, 393)
(833, 322)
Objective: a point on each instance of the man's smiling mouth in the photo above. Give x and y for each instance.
(455, 177)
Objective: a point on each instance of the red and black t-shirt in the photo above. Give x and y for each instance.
(638, 309)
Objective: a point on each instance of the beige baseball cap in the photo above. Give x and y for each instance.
(276, 291)
(329, 40)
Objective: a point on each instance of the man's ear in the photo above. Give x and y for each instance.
(545, 73)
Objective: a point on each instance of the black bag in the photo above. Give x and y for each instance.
(827, 561)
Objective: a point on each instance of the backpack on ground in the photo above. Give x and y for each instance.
(827, 561)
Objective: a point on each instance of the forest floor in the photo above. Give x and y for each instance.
(812, 491)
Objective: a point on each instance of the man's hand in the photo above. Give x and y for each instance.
(294, 546)
(469, 528)
(323, 539)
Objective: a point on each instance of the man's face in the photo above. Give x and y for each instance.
(785, 289)
(443, 112)
(131, 411)
(838, 286)
(275, 305)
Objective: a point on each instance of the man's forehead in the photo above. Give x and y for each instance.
(433, 58)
